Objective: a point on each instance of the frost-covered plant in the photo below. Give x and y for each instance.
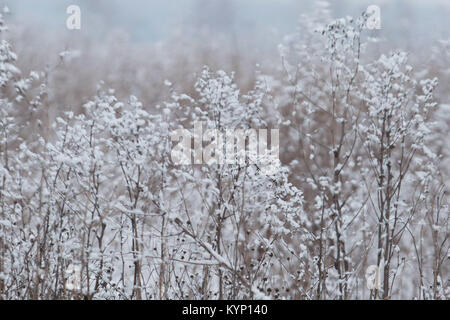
(361, 128)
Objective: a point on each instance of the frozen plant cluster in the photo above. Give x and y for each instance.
(91, 206)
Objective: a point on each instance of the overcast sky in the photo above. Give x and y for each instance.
(153, 20)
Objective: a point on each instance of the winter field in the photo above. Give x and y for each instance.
(215, 164)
